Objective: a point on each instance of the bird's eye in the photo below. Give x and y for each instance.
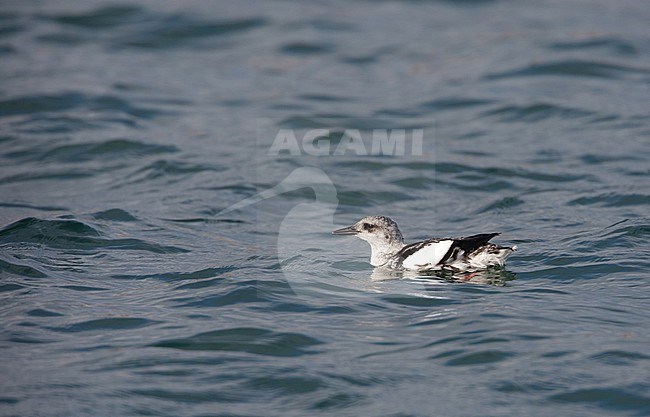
(369, 227)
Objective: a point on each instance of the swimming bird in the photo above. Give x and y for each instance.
(469, 253)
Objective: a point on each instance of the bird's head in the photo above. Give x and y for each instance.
(376, 230)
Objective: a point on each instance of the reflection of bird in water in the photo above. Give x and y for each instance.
(472, 253)
(493, 276)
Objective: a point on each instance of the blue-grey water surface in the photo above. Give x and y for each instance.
(127, 127)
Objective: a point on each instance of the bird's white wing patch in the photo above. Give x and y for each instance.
(428, 256)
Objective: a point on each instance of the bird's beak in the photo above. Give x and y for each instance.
(350, 230)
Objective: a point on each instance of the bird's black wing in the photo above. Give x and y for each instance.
(468, 244)
(465, 244)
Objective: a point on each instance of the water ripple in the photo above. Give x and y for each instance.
(612, 200)
(115, 215)
(535, 112)
(103, 324)
(620, 357)
(305, 48)
(241, 294)
(435, 106)
(476, 358)
(20, 270)
(102, 18)
(572, 68)
(72, 234)
(177, 31)
(615, 45)
(607, 398)
(252, 340)
(168, 170)
(200, 274)
(81, 152)
(503, 204)
(56, 103)
(418, 301)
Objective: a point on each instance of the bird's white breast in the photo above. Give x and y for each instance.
(428, 256)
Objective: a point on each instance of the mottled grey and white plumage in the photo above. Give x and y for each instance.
(461, 253)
